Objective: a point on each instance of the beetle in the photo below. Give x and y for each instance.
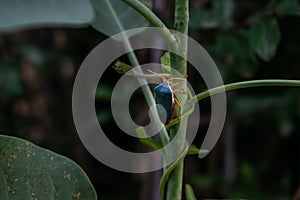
(164, 96)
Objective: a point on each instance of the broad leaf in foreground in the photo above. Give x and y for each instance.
(31, 172)
(16, 14)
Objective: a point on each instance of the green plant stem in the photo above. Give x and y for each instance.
(154, 20)
(245, 84)
(190, 195)
(148, 94)
(178, 63)
(170, 171)
(145, 88)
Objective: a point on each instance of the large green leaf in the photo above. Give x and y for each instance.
(264, 37)
(30, 172)
(35, 13)
(114, 16)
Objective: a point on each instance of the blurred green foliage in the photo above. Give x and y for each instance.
(10, 81)
(248, 39)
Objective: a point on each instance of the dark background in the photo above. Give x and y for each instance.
(258, 154)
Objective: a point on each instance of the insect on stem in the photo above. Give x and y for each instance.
(164, 96)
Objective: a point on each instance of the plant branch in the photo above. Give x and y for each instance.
(145, 88)
(245, 84)
(178, 64)
(233, 86)
(170, 169)
(147, 93)
(154, 20)
(190, 195)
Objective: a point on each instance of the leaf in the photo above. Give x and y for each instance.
(223, 10)
(190, 195)
(103, 93)
(193, 150)
(166, 63)
(31, 172)
(264, 38)
(104, 116)
(250, 105)
(290, 7)
(147, 3)
(10, 81)
(16, 14)
(143, 137)
(114, 16)
(218, 16)
(121, 67)
(235, 53)
(203, 19)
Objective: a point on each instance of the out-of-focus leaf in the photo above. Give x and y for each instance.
(104, 116)
(16, 14)
(104, 93)
(10, 83)
(33, 54)
(286, 126)
(189, 192)
(284, 117)
(235, 53)
(31, 172)
(247, 173)
(264, 37)
(148, 3)
(166, 63)
(288, 7)
(218, 16)
(203, 19)
(203, 181)
(114, 16)
(224, 9)
(252, 104)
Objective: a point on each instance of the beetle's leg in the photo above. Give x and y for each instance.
(177, 89)
(179, 107)
(179, 78)
(162, 77)
(180, 90)
(177, 83)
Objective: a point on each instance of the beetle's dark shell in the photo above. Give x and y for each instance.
(165, 97)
